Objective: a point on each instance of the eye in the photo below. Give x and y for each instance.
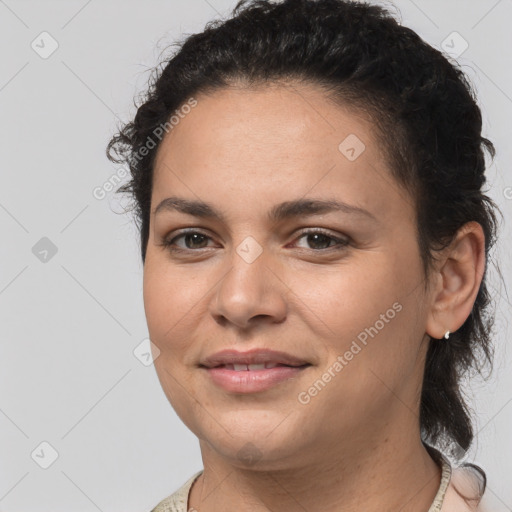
(319, 237)
(192, 239)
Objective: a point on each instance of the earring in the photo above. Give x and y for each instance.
(447, 335)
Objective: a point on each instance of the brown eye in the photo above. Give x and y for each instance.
(193, 240)
(319, 240)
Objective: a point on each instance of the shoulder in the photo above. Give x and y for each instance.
(178, 501)
(465, 491)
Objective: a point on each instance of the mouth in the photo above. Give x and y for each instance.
(254, 371)
(240, 367)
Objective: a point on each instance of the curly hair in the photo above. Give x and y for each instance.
(425, 116)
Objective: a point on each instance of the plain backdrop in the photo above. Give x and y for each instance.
(76, 394)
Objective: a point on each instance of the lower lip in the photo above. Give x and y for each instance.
(252, 381)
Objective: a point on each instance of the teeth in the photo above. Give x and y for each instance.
(239, 367)
(256, 366)
(271, 365)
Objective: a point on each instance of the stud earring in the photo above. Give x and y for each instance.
(447, 335)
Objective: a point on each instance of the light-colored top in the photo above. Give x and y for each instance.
(447, 499)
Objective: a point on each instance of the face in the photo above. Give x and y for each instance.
(340, 289)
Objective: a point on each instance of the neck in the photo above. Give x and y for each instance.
(393, 474)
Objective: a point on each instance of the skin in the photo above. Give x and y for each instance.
(356, 445)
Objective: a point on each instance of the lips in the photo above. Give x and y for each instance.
(252, 360)
(249, 377)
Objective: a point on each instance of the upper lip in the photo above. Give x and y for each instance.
(255, 356)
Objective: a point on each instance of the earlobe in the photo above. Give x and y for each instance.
(459, 275)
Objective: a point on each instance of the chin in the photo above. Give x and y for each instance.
(261, 442)
(257, 454)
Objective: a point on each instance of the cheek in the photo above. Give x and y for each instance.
(347, 298)
(368, 313)
(172, 299)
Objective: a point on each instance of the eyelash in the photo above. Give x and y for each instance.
(341, 243)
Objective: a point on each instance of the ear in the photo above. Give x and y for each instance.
(456, 281)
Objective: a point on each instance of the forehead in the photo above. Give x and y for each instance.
(286, 119)
(264, 143)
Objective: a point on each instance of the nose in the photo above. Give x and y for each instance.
(249, 293)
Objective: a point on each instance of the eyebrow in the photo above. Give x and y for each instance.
(282, 211)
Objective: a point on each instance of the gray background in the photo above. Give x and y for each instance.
(70, 323)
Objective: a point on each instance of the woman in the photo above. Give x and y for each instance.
(307, 178)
